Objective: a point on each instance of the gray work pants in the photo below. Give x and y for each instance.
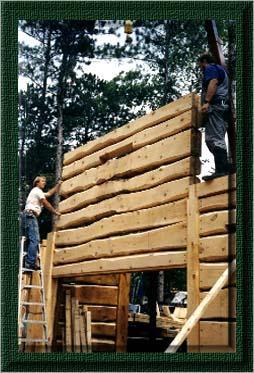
(216, 126)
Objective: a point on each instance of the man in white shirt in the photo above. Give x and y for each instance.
(36, 200)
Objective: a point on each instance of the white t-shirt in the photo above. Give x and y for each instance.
(33, 200)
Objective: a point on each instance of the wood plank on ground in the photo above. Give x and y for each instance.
(170, 213)
(216, 186)
(133, 263)
(168, 192)
(168, 150)
(164, 113)
(217, 247)
(218, 202)
(134, 142)
(122, 312)
(210, 272)
(184, 167)
(96, 294)
(223, 306)
(217, 222)
(217, 336)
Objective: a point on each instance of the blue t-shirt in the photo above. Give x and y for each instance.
(213, 71)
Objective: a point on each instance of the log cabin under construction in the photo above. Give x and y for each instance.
(132, 202)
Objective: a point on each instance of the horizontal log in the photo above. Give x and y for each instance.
(95, 294)
(164, 151)
(103, 329)
(218, 202)
(185, 167)
(217, 222)
(164, 113)
(102, 313)
(133, 263)
(216, 186)
(217, 336)
(217, 247)
(103, 345)
(96, 280)
(170, 213)
(223, 306)
(169, 237)
(137, 141)
(168, 192)
(210, 272)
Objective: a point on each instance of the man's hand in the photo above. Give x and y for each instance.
(205, 107)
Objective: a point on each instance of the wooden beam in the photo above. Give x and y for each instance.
(153, 217)
(137, 141)
(193, 264)
(122, 312)
(217, 222)
(168, 150)
(216, 248)
(209, 272)
(94, 280)
(133, 263)
(133, 243)
(68, 334)
(103, 345)
(164, 113)
(103, 329)
(217, 336)
(96, 294)
(50, 285)
(168, 192)
(218, 202)
(216, 186)
(223, 306)
(184, 167)
(102, 313)
(200, 310)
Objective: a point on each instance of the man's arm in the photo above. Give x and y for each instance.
(49, 207)
(53, 190)
(211, 90)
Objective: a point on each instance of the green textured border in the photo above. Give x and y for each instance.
(11, 13)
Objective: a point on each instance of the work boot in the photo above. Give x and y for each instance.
(221, 164)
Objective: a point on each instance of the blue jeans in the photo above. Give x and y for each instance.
(32, 234)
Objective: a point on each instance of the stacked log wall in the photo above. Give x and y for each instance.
(216, 244)
(126, 194)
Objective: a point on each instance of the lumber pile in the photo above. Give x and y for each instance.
(211, 249)
(126, 194)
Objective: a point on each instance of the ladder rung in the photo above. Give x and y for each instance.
(33, 340)
(32, 287)
(32, 304)
(33, 322)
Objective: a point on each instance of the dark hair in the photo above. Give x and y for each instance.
(206, 57)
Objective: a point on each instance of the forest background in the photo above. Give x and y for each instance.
(79, 80)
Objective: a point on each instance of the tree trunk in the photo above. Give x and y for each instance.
(166, 56)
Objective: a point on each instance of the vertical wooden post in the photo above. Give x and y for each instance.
(122, 312)
(50, 285)
(152, 301)
(68, 339)
(193, 266)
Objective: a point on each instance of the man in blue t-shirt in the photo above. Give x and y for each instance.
(215, 104)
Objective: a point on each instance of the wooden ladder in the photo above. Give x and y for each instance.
(24, 301)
